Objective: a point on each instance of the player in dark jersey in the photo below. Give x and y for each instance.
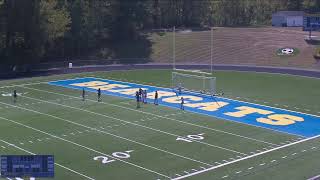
(140, 94)
(15, 96)
(145, 95)
(180, 90)
(99, 95)
(156, 101)
(182, 104)
(83, 95)
(138, 99)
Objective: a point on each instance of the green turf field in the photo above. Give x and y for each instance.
(114, 140)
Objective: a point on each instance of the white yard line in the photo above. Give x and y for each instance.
(273, 73)
(35, 83)
(29, 152)
(105, 132)
(83, 147)
(155, 115)
(245, 158)
(27, 84)
(128, 122)
(314, 178)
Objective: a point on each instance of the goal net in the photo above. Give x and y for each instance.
(194, 83)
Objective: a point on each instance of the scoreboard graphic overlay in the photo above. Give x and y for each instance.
(37, 166)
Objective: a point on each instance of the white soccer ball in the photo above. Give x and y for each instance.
(287, 51)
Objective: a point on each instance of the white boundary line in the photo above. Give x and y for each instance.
(247, 157)
(35, 83)
(128, 122)
(28, 84)
(270, 73)
(105, 132)
(168, 118)
(84, 147)
(314, 178)
(17, 147)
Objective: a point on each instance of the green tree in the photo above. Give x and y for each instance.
(22, 31)
(311, 5)
(55, 23)
(295, 5)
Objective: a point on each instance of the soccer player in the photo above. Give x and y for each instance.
(182, 104)
(83, 94)
(156, 102)
(180, 89)
(145, 95)
(140, 93)
(138, 99)
(15, 96)
(99, 95)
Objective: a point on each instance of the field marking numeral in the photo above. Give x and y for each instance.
(107, 160)
(104, 159)
(191, 138)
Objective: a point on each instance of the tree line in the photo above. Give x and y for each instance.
(45, 30)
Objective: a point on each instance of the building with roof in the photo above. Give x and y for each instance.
(288, 19)
(311, 22)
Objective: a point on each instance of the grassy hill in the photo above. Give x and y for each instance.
(238, 46)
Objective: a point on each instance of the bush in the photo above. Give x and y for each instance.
(161, 33)
(317, 53)
(104, 53)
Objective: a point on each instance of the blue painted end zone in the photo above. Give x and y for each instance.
(310, 126)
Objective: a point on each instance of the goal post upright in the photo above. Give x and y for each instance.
(208, 71)
(190, 79)
(211, 50)
(174, 48)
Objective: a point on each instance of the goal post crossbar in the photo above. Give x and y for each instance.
(193, 75)
(193, 71)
